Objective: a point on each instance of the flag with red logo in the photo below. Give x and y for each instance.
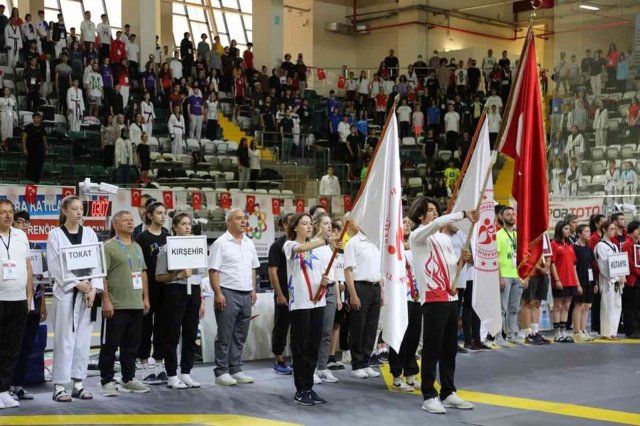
(522, 138)
(136, 194)
(68, 190)
(225, 200)
(321, 74)
(348, 203)
(300, 206)
(30, 193)
(251, 204)
(486, 289)
(377, 211)
(275, 206)
(196, 200)
(167, 199)
(324, 202)
(342, 82)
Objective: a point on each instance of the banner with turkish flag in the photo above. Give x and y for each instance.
(300, 206)
(167, 199)
(324, 202)
(348, 203)
(68, 190)
(30, 192)
(225, 200)
(342, 82)
(251, 204)
(522, 138)
(275, 206)
(321, 74)
(136, 194)
(196, 200)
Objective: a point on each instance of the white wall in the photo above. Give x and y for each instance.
(297, 31)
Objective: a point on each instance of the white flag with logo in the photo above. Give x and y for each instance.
(378, 213)
(486, 286)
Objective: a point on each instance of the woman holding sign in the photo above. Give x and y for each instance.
(182, 310)
(610, 287)
(72, 301)
(305, 269)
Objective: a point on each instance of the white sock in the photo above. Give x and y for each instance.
(534, 329)
(77, 385)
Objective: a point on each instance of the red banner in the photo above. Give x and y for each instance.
(324, 202)
(225, 200)
(299, 206)
(136, 194)
(251, 204)
(196, 200)
(348, 203)
(167, 199)
(321, 74)
(30, 192)
(342, 82)
(275, 206)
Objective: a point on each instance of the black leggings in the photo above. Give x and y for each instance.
(182, 315)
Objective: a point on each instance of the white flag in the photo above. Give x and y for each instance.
(486, 286)
(378, 213)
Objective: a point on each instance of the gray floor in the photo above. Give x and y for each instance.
(592, 375)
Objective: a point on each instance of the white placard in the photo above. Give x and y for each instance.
(187, 252)
(618, 265)
(83, 261)
(37, 261)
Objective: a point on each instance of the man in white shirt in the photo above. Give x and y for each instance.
(87, 30)
(133, 51)
(232, 264)
(329, 183)
(364, 281)
(16, 292)
(493, 120)
(494, 99)
(452, 128)
(42, 30)
(404, 119)
(176, 67)
(104, 32)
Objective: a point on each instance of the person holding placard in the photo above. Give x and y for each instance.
(125, 301)
(73, 297)
(15, 297)
(305, 272)
(183, 309)
(610, 287)
(232, 263)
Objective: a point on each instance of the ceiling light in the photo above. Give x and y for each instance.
(589, 7)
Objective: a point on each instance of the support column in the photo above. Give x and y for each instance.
(413, 41)
(144, 18)
(166, 25)
(267, 24)
(28, 6)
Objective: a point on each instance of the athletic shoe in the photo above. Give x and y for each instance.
(543, 339)
(383, 357)
(469, 347)
(462, 350)
(481, 347)
(13, 395)
(413, 381)
(587, 337)
(454, 401)
(242, 377)
(142, 365)
(317, 399)
(516, 340)
(493, 345)
(371, 373)
(327, 376)
(163, 377)
(374, 360)
(433, 405)
(282, 368)
(187, 380)
(532, 339)
(499, 340)
(7, 401)
(359, 373)
(152, 379)
(111, 389)
(226, 380)
(400, 386)
(335, 366)
(568, 339)
(175, 383)
(303, 398)
(135, 386)
(559, 339)
(346, 357)
(316, 379)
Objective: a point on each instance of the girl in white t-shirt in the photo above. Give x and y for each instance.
(305, 276)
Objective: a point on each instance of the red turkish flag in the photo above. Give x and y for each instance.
(225, 200)
(251, 204)
(135, 197)
(348, 203)
(300, 206)
(30, 192)
(196, 200)
(275, 206)
(68, 190)
(324, 202)
(523, 139)
(342, 82)
(321, 74)
(167, 199)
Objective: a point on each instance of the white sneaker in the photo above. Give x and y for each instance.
(134, 386)
(413, 381)
(433, 405)
(346, 357)
(327, 376)
(454, 401)
(400, 386)
(243, 378)
(187, 380)
(111, 389)
(175, 383)
(371, 372)
(226, 380)
(359, 373)
(499, 340)
(7, 401)
(316, 379)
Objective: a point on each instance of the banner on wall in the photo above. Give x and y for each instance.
(581, 207)
(261, 226)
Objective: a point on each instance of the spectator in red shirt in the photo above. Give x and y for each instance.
(632, 120)
(247, 60)
(118, 49)
(631, 293)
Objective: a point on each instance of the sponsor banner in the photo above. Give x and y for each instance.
(260, 226)
(581, 207)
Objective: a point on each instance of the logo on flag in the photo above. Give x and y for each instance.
(68, 190)
(251, 204)
(324, 202)
(342, 82)
(225, 200)
(321, 74)
(299, 206)
(196, 200)
(348, 203)
(275, 206)
(136, 194)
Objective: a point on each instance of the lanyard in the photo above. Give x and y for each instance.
(124, 248)
(7, 244)
(513, 243)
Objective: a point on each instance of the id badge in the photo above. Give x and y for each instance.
(33, 81)
(514, 260)
(590, 274)
(9, 271)
(136, 277)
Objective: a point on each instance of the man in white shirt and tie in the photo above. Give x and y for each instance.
(330, 184)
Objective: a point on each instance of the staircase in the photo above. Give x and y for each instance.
(233, 133)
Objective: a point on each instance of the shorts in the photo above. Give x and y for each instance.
(95, 100)
(565, 292)
(538, 288)
(239, 100)
(587, 295)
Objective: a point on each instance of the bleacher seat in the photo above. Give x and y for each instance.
(208, 147)
(153, 144)
(221, 148)
(628, 150)
(185, 159)
(598, 167)
(203, 174)
(415, 185)
(409, 141)
(597, 153)
(421, 170)
(597, 182)
(225, 163)
(275, 191)
(445, 155)
(613, 152)
(585, 167)
(192, 145)
(165, 144)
